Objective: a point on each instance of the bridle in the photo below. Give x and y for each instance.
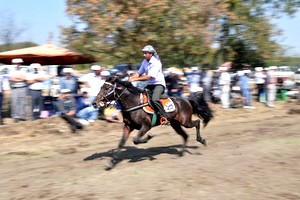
(112, 90)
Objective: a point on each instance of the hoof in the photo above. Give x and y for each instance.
(109, 165)
(204, 142)
(135, 141)
(150, 137)
(181, 154)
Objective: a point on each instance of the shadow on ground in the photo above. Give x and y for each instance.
(133, 154)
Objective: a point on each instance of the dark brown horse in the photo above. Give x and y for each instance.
(135, 116)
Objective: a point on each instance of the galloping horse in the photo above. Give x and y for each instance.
(135, 116)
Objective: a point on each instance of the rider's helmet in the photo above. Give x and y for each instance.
(149, 48)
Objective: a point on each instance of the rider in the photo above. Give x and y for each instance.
(151, 71)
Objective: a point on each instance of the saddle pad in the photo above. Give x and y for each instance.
(166, 102)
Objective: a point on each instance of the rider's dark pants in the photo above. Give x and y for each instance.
(157, 91)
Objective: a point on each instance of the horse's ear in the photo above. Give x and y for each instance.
(112, 79)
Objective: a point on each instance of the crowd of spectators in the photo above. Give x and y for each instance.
(72, 102)
(76, 94)
(225, 87)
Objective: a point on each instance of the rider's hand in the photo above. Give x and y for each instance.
(130, 79)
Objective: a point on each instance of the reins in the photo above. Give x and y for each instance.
(113, 91)
(118, 96)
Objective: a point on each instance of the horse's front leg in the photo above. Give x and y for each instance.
(143, 130)
(116, 157)
(199, 138)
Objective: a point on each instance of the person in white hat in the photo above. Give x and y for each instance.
(224, 82)
(260, 81)
(97, 68)
(194, 80)
(69, 81)
(297, 80)
(18, 84)
(105, 74)
(35, 80)
(151, 72)
(271, 82)
(246, 89)
(93, 80)
(17, 61)
(1, 97)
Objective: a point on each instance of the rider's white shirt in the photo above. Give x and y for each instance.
(153, 68)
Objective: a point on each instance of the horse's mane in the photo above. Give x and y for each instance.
(128, 85)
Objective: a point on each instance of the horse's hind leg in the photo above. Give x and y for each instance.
(199, 138)
(139, 138)
(177, 127)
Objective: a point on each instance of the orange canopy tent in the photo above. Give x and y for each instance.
(47, 54)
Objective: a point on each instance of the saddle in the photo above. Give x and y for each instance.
(167, 103)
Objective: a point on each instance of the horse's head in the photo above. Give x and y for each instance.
(107, 92)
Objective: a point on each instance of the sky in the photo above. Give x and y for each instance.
(42, 17)
(291, 33)
(39, 17)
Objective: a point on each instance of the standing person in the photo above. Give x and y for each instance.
(17, 79)
(1, 98)
(94, 81)
(151, 71)
(271, 86)
(260, 80)
(194, 80)
(68, 81)
(244, 81)
(224, 82)
(35, 79)
(206, 83)
(67, 109)
(297, 80)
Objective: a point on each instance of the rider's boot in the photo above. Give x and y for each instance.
(164, 116)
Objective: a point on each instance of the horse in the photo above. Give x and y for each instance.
(135, 101)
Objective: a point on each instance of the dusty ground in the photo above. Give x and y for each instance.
(251, 154)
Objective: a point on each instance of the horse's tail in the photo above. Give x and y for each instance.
(201, 108)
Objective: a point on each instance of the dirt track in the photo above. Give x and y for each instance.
(251, 154)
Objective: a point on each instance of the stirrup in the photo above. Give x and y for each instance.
(164, 121)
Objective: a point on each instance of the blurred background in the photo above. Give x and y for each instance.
(185, 33)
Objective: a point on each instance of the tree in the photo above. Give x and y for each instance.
(182, 31)
(247, 36)
(17, 45)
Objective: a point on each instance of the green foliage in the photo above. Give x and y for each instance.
(19, 45)
(182, 31)
(285, 61)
